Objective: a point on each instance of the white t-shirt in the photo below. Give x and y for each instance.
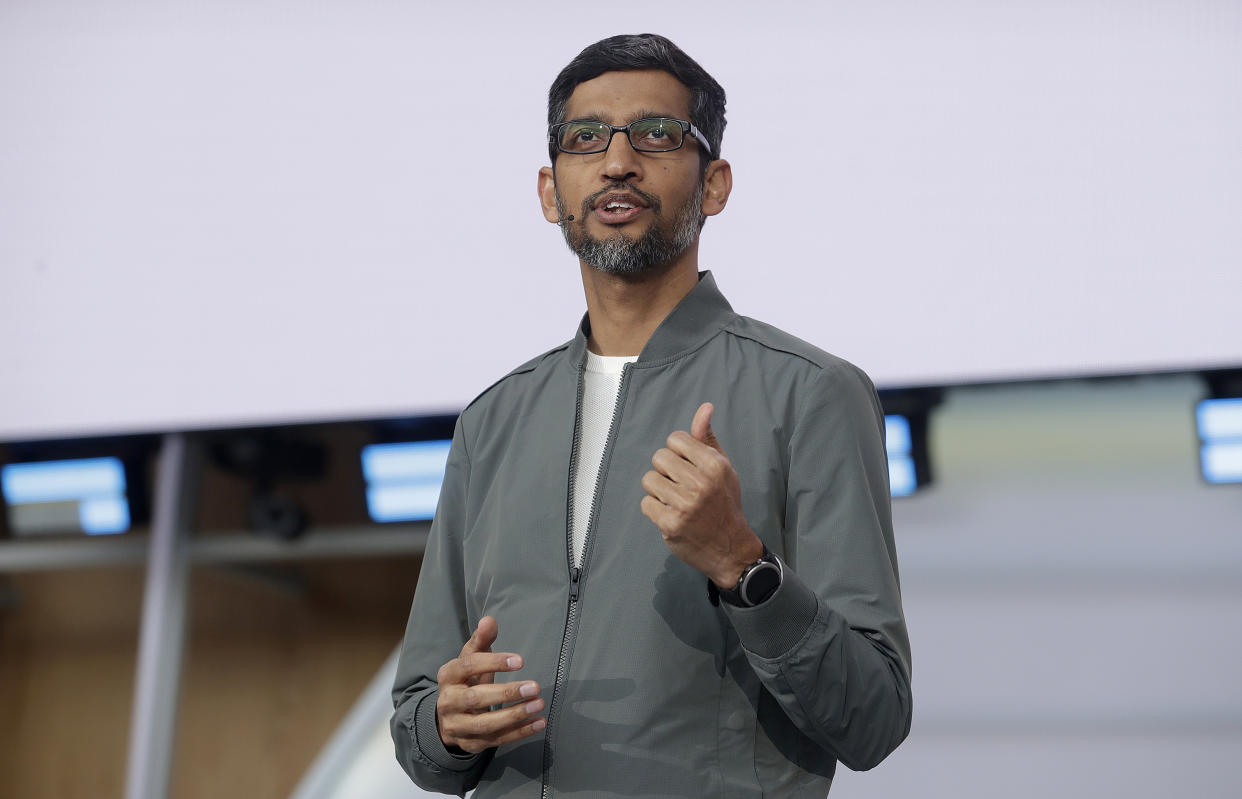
(602, 383)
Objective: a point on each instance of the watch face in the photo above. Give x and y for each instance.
(761, 583)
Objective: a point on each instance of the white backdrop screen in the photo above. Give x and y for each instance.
(255, 212)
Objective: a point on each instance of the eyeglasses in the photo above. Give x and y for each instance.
(651, 135)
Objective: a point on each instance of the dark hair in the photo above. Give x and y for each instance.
(644, 51)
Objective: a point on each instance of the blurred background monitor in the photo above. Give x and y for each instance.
(1220, 433)
(86, 495)
(403, 479)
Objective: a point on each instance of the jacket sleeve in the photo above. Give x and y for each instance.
(437, 630)
(831, 645)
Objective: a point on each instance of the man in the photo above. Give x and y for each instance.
(610, 604)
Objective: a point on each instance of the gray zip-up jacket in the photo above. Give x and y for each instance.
(652, 690)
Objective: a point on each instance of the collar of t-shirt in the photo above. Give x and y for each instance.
(608, 364)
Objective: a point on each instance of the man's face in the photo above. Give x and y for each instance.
(663, 191)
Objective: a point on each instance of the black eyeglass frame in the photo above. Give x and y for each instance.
(686, 127)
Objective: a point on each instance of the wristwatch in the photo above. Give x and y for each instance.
(759, 581)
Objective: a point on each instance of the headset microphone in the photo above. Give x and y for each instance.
(569, 218)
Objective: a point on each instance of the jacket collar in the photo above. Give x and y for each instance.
(698, 317)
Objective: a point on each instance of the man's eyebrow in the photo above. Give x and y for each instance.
(600, 116)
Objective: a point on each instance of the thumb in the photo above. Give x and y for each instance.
(481, 641)
(701, 427)
(484, 636)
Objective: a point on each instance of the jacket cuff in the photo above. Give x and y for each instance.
(427, 738)
(772, 628)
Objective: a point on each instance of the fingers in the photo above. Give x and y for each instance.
(475, 732)
(473, 712)
(477, 667)
(700, 446)
(691, 449)
(660, 487)
(520, 732)
(478, 717)
(657, 512)
(481, 698)
(673, 466)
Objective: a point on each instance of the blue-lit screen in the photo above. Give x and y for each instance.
(87, 494)
(403, 480)
(1220, 434)
(902, 480)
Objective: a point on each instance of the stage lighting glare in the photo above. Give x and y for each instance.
(50, 481)
(403, 479)
(87, 494)
(1222, 461)
(901, 477)
(897, 434)
(1220, 419)
(104, 516)
(415, 460)
(1220, 433)
(403, 503)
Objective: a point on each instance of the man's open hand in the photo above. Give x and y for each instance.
(694, 497)
(468, 691)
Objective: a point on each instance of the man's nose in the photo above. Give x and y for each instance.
(621, 161)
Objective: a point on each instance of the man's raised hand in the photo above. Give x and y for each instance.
(695, 499)
(468, 694)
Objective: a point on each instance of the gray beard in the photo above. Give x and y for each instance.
(621, 255)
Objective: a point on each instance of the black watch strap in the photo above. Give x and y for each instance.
(759, 581)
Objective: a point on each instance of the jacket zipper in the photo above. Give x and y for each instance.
(576, 571)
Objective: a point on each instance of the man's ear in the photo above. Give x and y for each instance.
(717, 185)
(547, 194)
